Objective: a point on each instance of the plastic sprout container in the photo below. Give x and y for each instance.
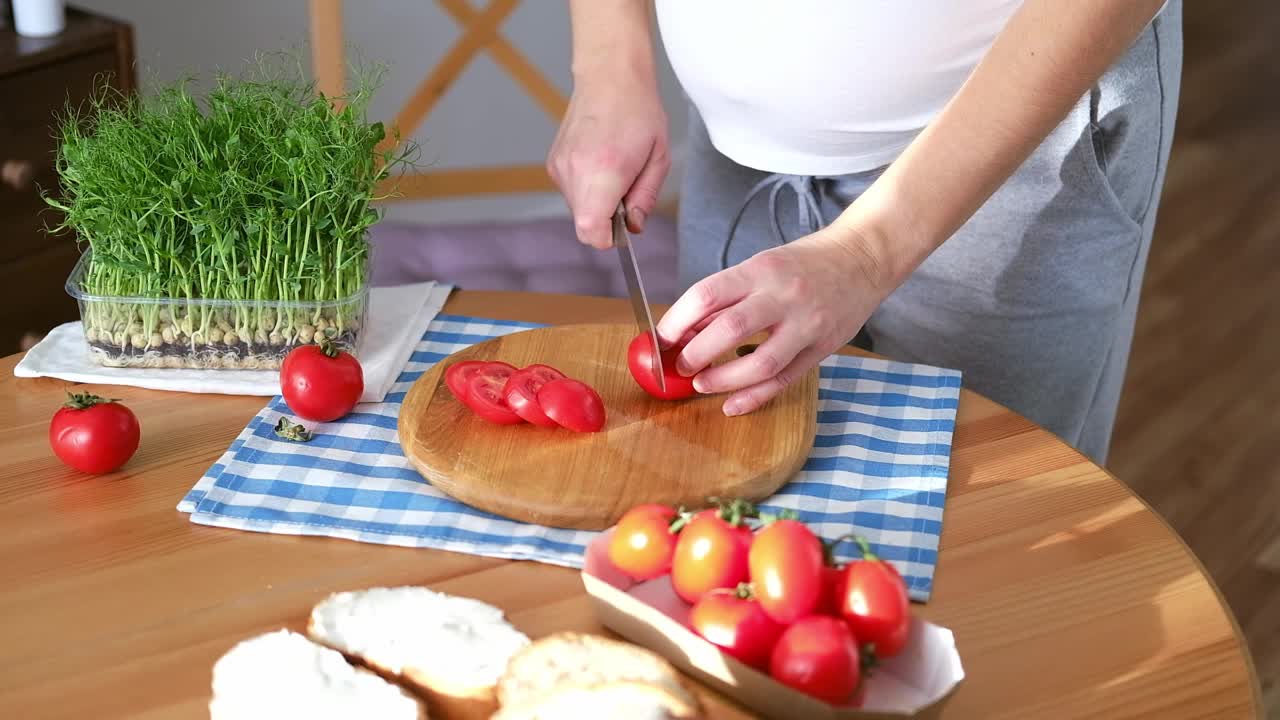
(172, 332)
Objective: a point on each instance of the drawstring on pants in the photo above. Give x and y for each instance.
(806, 189)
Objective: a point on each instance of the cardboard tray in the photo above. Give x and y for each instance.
(915, 684)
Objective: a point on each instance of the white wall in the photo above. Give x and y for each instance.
(484, 119)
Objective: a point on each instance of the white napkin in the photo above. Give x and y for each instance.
(396, 320)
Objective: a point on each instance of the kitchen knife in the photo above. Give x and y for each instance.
(635, 288)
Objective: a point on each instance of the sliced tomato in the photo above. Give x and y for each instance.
(484, 393)
(573, 404)
(521, 392)
(457, 375)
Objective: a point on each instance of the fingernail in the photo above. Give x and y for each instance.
(637, 219)
(733, 406)
(699, 384)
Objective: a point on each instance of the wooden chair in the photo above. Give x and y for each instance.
(480, 34)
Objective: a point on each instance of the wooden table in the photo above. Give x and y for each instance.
(1068, 596)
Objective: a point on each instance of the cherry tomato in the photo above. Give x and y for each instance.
(711, 553)
(736, 625)
(321, 382)
(457, 375)
(829, 600)
(484, 393)
(93, 434)
(873, 599)
(642, 543)
(572, 404)
(818, 655)
(521, 392)
(786, 570)
(639, 361)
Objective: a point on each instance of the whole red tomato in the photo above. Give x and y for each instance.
(93, 434)
(873, 599)
(786, 570)
(711, 553)
(829, 599)
(321, 382)
(736, 625)
(818, 655)
(640, 362)
(642, 543)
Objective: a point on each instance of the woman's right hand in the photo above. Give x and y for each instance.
(612, 146)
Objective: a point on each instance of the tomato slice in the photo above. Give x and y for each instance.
(457, 375)
(573, 404)
(521, 392)
(484, 393)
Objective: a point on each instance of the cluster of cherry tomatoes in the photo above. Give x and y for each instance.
(765, 590)
(539, 394)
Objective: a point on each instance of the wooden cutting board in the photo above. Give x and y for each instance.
(650, 450)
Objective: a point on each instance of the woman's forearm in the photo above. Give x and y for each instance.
(612, 39)
(1049, 54)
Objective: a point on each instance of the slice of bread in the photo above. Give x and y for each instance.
(283, 674)
(451, 650)
(622, 700)
(579, 666)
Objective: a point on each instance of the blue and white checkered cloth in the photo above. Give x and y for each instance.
(878, 467)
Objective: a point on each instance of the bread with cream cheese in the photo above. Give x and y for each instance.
(283, 674)
(450, 649)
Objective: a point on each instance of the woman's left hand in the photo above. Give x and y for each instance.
(812, 295)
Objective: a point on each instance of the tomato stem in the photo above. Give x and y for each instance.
(828, 553)
(682, 518)
(863, 546)
(734, 511)
(768, 518)
(327, 347)
(292, 431)
(744, 591)
(868, 659)
(84, 401)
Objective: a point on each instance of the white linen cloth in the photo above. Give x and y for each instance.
(396, 319)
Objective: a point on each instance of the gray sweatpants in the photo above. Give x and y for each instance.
(1034, 298)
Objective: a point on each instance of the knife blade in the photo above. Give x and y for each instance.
(635, 289)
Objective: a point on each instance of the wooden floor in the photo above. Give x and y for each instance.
(1199, 429)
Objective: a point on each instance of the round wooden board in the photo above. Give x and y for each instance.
(676, 452)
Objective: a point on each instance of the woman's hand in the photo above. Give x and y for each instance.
(612, 145)
(812, 295)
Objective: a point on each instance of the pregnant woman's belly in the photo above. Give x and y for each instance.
(823, 87)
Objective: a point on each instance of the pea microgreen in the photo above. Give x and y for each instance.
(234, 222)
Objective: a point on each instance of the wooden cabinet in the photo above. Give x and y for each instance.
(38, 77)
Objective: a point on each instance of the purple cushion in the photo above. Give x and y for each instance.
(535, 255)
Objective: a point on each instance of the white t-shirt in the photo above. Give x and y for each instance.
(823, 87)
